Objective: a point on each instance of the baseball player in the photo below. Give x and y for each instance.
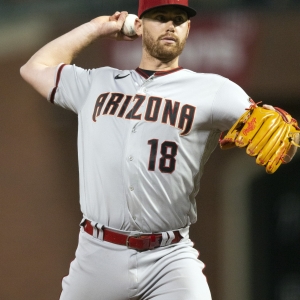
(144, 136)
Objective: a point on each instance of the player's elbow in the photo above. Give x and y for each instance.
(31, 72)
(39, 76)
(25, 73)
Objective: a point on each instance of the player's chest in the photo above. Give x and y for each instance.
(152, 102)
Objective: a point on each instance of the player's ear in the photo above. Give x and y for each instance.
(189, 27)
(138, 24)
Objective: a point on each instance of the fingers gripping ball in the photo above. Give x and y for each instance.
(267, 135)
(128, 26)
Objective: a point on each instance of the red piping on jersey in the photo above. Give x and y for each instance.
(56, 83)
(157, 73)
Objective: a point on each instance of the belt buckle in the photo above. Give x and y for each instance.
(137, 235)
(149, 240)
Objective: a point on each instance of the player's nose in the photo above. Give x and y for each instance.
(170, 26)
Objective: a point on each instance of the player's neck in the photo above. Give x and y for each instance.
(151, 63)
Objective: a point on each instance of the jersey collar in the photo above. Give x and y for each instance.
(157, 73)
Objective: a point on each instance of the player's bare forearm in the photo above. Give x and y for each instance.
(40, 69)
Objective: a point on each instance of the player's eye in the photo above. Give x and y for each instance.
(178, 20)
(161, 18)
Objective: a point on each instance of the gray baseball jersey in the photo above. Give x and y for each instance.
(143, 141)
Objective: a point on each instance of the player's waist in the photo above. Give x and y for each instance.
(134, 240)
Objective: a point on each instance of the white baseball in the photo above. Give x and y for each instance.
(128, 26)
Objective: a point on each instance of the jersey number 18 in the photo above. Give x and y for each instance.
(168, 151)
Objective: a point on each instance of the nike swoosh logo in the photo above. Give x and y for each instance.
(120, 77)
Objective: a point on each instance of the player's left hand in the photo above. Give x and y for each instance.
(291, 153)
(270, 134)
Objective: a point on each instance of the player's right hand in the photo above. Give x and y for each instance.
(110, 26)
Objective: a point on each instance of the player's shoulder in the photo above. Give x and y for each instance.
(212, 80)
(207, 78)
(105, 69)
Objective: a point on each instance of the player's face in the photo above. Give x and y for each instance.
(165, 31)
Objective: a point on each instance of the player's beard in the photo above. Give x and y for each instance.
(163, 52)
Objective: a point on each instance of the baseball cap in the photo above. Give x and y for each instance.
(146, 5)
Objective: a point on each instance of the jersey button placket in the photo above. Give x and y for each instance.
(132, 158)
(131, 173)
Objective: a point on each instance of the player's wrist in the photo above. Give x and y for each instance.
(102, 28)
(98, 22)
(95, 26)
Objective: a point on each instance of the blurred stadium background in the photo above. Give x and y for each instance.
(248, 229)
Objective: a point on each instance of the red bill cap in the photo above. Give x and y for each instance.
(146, 5)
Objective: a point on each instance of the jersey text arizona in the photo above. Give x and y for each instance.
(116, 104)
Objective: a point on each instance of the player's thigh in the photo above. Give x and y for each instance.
(99, 271)
(178, 276)
(186, 283)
